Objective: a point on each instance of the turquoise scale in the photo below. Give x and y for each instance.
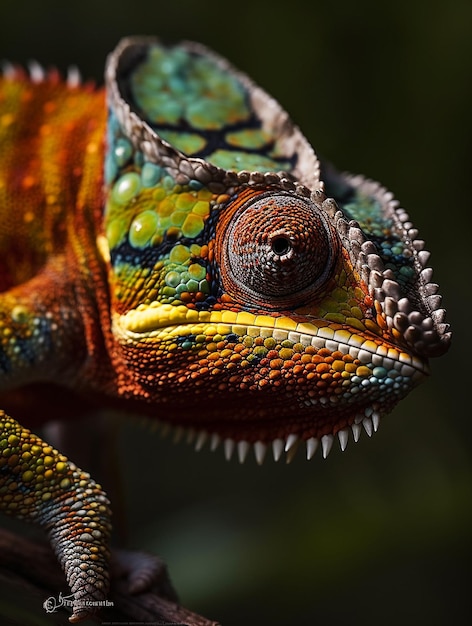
(203, 111)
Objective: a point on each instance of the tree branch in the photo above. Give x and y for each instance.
(30, 567)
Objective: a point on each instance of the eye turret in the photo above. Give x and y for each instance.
(277, 247)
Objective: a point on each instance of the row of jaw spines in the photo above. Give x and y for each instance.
(290, 445)
(38, 74)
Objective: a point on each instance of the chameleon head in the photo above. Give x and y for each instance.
(245, 303)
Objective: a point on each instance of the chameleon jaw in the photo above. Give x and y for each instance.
(139, 329)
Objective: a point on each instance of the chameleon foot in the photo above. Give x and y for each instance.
(144, 572)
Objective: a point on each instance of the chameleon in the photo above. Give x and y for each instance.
(172, 245)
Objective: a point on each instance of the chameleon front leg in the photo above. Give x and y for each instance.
(40, 485)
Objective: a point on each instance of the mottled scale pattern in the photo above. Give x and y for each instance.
(174, 246)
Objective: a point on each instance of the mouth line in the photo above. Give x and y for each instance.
(167, 322)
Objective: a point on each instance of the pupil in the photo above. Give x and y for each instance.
(280, 245)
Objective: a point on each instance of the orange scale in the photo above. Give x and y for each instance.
(396, 335)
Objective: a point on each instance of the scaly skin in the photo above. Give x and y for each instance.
(42, 486)
(214, 277)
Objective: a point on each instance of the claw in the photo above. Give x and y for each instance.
(143, 571)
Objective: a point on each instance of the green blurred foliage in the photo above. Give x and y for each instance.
(379, 534)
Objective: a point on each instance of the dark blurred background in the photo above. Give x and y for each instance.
(379, 534)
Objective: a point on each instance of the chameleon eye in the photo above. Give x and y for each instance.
(277, 247)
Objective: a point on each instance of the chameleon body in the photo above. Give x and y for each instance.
(173, 245)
